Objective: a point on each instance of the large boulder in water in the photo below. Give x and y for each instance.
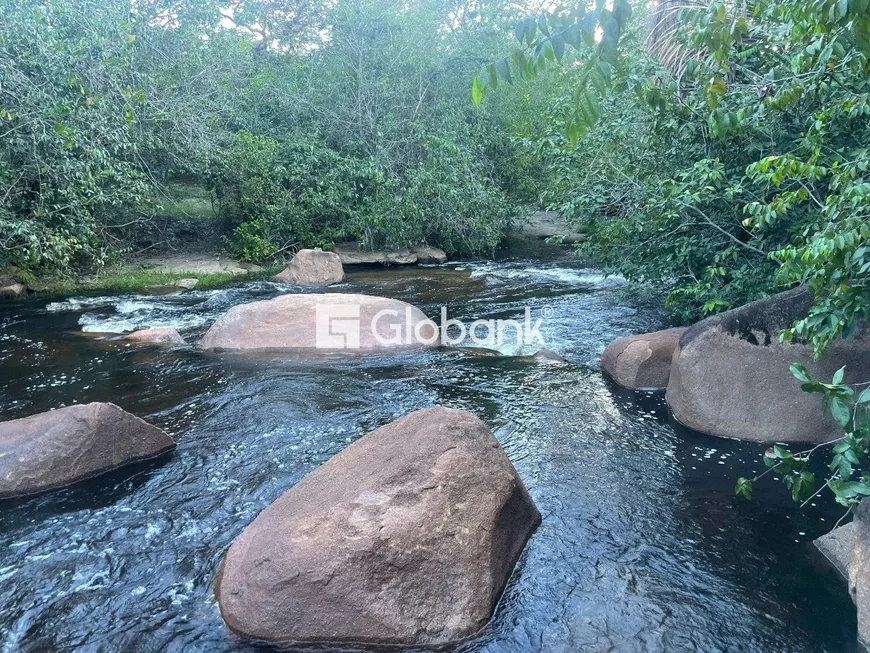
(642, 361)
(332, 321)
(730, 374)
(59, 447)
(312, 267)
(405, 538)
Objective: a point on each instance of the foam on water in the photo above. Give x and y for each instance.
(558, 275)
(126, 313)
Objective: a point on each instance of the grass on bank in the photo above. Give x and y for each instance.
(125, 279)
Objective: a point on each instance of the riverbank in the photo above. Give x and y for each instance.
(215, 269)
(142, 275)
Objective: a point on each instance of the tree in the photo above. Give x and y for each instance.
(764, 108)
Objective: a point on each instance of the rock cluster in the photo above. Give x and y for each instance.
(351, 255)
(729, 375)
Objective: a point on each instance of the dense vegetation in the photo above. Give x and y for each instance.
(729, 159)
(307, 121)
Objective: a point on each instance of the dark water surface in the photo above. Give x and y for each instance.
(643, 547)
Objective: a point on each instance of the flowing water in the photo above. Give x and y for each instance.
(643, 546)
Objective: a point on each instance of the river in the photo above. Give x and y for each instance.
(643, 546)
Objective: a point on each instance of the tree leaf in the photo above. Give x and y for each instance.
(800, 373)
(477, 89)
(841, 412)
(520, 31)
(493, 75)
(504, 69)
(558, 47)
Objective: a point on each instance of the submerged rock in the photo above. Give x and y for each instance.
(60, 447)
(161, 336)
(641, 361)
(548, 357)
(405, 538)
(730, 374)
(334, 321)
(312, 267)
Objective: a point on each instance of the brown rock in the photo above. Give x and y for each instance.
(187, 284)
(57, 448)
(162, 336)
(312, 267)
(351, 255)
(405, 538)
(730, 374)
(426, 254)
(325, 322)
(11, 290)
(642, 361)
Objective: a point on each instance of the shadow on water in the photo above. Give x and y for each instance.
(643, 546)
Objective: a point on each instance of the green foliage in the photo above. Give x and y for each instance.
(729, 161)
(287, 195)
(307, 121)
(544, 39)
(849, 405)
(729, 165)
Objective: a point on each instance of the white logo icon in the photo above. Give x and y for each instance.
(337, 326)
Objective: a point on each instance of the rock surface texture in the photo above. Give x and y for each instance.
(859, 572)
(426, 254)
(642, 361)
(160, 336)
(847, 548)
(730, 374)
(312, 267)
(350, 254)
(405, 538)
(324, 322)
(60, 447)
(836, 546)
(549, 224)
